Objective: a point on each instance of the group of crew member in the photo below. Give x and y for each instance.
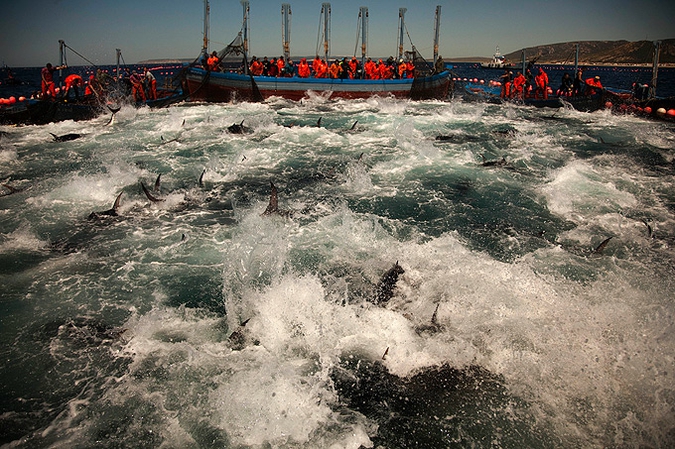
(338, 69)
(528, 86)
(142, 86)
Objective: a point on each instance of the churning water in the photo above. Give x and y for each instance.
(506, 329)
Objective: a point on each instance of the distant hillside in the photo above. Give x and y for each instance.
(599, 52)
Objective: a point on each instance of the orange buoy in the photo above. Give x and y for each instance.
(12, 100)
(648, 110)
(22, 98)
(671, 112)
(608, 105)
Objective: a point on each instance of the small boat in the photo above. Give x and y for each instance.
(491, 93)
(236, 83)
(41, 112)
(498, 62)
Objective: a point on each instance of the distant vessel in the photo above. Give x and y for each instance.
(238, 83)
(498, 62)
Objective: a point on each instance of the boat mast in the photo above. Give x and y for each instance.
(576, 57)
(401, 28)
(286, 29)
(245, 6)
(325, 17)
(655, 69)
(437, 31)
(62, 54)
(205, 43)
(118, 54)
(523, 61)
(363, 15)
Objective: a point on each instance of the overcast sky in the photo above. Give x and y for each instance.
(161, 29)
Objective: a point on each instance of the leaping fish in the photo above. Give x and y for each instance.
(273, 206)
(112, 212)
(149, 195)
(598, 249)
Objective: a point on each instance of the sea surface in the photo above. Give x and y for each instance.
(197, 321)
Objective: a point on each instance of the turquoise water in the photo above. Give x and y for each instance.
(116, 332)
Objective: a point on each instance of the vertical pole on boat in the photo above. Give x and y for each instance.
(205, 43)
(363, 14)
(655, 69)
(62, 52)
(523, 61)
(401, 28)
(437, 31)
(286, 29)
(118, 54)
(325, 13)
(244, 4)
(576, 58)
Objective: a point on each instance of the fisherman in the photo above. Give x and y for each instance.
(281, 65)
(518, 85)
(410, 69)
(401, 68)
(320, 68)
(151, 83)
(290, 70)
(256, 67)
(273, 69)
(505, 79)
(303, 68)
(578, 83)
(137, 86)
(566, 86)
(266, 66)
(47, 73)
(592, 84)
(439, 65)
(73, 81)
(334, 70)
(213, 63)
(541, 81)
(370, 68)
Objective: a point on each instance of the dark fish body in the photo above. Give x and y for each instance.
(238, 128)
(66, 137)
(385, 288)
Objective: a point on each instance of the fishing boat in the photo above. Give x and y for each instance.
(491, 93)
(498, 62)
(236, 83)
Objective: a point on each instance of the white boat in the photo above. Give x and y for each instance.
(498, 62)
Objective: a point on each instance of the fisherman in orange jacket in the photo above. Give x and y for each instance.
(303, 68)
(213, 62)
(74, 81)
(541, 81)
(591, 83)
(320, 68)
(371, 69)
(256, 67)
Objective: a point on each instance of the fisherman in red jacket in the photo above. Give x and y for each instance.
(541, 81)
(48, 79)
(518, 84)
